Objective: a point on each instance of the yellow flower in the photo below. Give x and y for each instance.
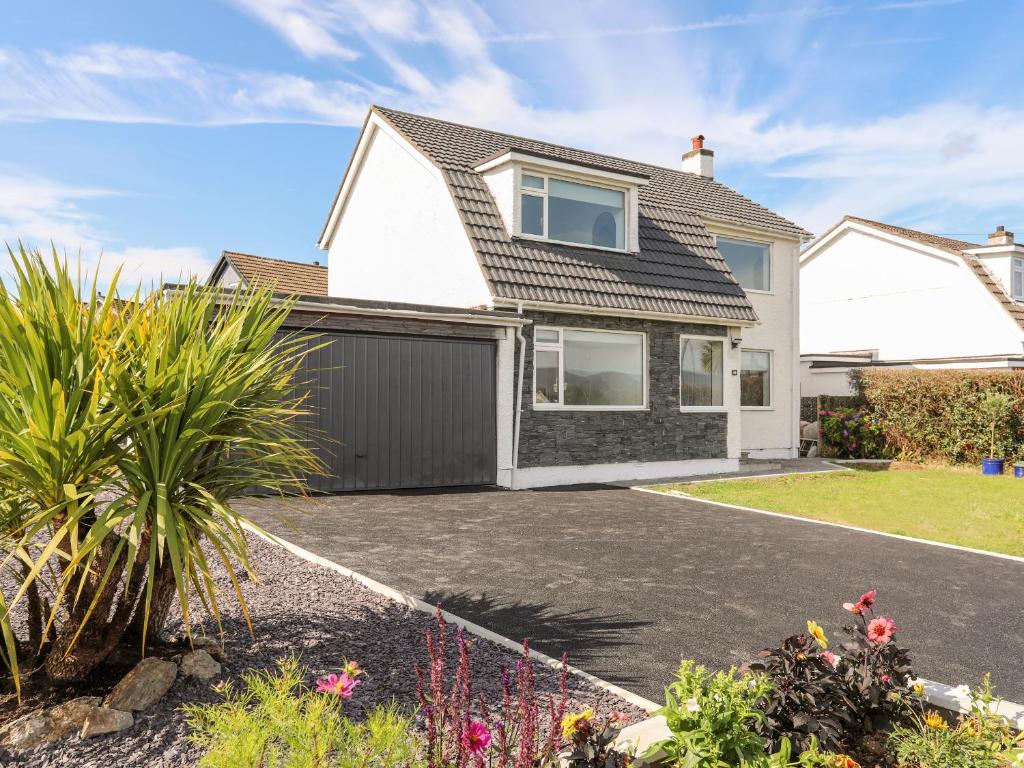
(935, 721)
(571, 723)
(818, 634)
(919, 689)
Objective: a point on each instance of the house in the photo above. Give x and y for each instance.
(874, 294)
(243, 269)
(511, 311)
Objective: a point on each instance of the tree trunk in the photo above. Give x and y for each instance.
(164, 592)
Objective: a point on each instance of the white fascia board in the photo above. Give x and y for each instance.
(445, 316)
(559, 166)
(583, 309)
(996, 250)
(855, 226)
(374, 123)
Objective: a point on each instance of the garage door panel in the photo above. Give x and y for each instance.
(400, 412)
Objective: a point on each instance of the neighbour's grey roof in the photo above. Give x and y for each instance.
(678, 269)
(959, 247)
(285, 276)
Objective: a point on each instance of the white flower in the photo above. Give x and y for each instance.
(692, 705)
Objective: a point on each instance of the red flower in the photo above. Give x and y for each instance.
(478, 737)
(865, 603)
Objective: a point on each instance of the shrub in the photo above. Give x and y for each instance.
(980, 739)
(937, 414)
(275, 721)
(714, 719)
(850, 433)
(126, 428)
(835, 698)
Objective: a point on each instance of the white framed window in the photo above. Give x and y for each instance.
(1018, 279)
(750, 262)
(701, 373)
(584, 369)
(568, 211)
(756, 378)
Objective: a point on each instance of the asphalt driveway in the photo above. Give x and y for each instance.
(629, 582)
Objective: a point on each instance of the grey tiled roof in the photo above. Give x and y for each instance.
(677, 271)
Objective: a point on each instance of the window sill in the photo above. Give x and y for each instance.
(757, 407)
(703, 409)
(549, 241)
(755, 290)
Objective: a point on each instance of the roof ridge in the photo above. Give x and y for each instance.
(883, 225)
(227, 252)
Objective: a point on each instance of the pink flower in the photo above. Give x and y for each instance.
(881, 629)
(478, 737)
(342, 685)
(618, 718)
(829, 658)
(865, 603)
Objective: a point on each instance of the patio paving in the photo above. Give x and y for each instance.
(628, 582)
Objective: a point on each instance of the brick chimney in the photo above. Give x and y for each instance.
(699, 160)
(1000, 237)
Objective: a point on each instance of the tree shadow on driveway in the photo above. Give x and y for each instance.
(588, 636)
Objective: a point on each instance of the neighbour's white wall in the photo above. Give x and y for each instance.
(772, 432)
(399, 237)
(230, 278)
(824, 381)
(860, 291)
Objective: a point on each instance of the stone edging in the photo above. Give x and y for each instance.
(415, 603)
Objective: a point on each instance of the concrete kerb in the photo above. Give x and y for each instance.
(953, 698)
(734, 478)
(416, 603)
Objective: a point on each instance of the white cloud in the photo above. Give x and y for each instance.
(119, 84)
(41, 213)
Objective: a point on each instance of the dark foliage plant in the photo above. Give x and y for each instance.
(837, 696)
(592, 743)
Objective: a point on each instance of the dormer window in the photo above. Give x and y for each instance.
(544, 198)
(572, 212)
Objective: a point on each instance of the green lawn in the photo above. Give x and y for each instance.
(952, 506)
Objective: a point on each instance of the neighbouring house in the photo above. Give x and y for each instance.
(243, 269)
(873, 294)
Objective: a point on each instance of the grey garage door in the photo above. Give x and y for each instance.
(401, 411)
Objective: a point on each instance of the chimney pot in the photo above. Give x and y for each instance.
(1001, 236)
(698, 141)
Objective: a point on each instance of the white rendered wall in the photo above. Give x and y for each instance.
(399, 237)
(824, 381)
(230, 278)
(865, 292)
(772, 432)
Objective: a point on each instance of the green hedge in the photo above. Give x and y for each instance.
(936, 414)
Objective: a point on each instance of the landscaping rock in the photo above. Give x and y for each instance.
(47, 725)
(211, 646)
(105, 720)
(27, 732)
(144, 686)
(199, 664)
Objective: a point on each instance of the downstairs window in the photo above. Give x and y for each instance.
(585, 369)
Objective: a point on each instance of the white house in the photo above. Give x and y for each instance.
(877, 294)
(501, 310)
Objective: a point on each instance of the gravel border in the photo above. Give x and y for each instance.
(298, 607)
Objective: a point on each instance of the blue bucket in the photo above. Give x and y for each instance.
(992, 466)
(1018, 470)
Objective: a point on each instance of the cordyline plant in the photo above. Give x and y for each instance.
(126, 428)
(507, 735)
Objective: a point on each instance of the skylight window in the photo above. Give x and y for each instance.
(572, 212)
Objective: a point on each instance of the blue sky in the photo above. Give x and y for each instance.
(162, 133)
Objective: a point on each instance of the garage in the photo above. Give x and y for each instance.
(401, 402)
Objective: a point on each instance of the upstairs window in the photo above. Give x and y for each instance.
(581, 369)
(572, 212)
(1018, 279)
(750, 262)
